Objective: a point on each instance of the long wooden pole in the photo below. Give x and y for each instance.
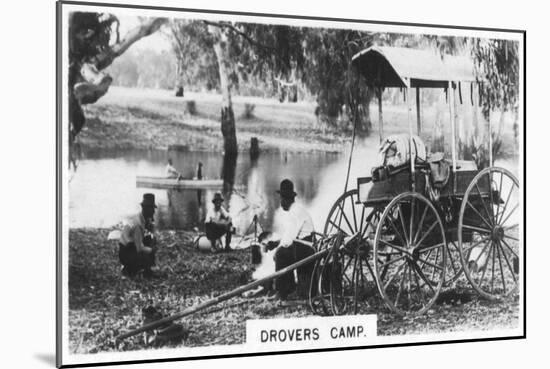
(380, 117)
(225, 296)
(411, 142)
(453, 131)
(418, 115)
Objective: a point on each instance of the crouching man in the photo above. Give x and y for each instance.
(291, 222)
(218, 223)
(137, 245)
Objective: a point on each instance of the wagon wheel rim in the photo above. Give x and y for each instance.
(411, 234)
(319, 299)
(351, 272)
(319, 295)
(488, 233)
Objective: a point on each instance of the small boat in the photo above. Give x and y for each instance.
(173, 183)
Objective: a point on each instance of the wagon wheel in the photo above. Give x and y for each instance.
(319, 293)
(410, 254)
(488, 232)
(350, 271)
(352, 276)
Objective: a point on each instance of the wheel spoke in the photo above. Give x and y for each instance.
(397, 232)
(361, 222)
(510, 248)
(420, 289)
(485, 265)
(512, 238)
(424, 249)
(493, 270)
(427, 232)
(402, 219)
(403, 250)
(395, 275)
(338, 227)
(401, 285)
(343, 215)
(507, 262)
(477, 229)
(509, 214)
(501, 270)
(420, 225)
(479, 214)
(431, 264)
(353, 212)
(370, 269)
(506, 203)
(483, 202)
(424, 278)
(395, 260)
(499, 195)
(453, 266)
(482, 251)
(476, 244)
(411, 222)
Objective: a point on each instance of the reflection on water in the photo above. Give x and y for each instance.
(103, 190)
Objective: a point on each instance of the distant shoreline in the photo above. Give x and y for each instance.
(154, 119)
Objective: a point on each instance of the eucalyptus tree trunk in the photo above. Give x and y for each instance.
(227, 115)
(179, 76)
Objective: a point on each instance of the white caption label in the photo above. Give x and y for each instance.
(311, 332)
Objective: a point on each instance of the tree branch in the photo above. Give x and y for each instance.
(148, 27)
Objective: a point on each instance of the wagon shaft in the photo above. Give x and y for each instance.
(224, 297)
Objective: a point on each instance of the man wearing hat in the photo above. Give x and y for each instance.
(218, 223)
(137, 242)
(291, 222)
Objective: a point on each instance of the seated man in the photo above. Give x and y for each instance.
(218, 223)
(171, 172)
(292, 222)
(137, 245)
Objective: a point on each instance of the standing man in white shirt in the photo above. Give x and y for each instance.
(218, 223)
(291, 222)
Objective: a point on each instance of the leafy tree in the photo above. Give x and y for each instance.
(94, 42)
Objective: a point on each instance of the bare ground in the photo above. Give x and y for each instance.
(103, 305)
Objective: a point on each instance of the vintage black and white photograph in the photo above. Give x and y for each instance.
(236, 184)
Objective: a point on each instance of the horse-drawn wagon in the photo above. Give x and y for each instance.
(419, 222)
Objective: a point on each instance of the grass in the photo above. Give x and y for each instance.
(103, 305)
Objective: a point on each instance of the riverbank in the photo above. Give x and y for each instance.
(103, 305)
(127, 118)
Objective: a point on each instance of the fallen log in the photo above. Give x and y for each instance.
(225, 296)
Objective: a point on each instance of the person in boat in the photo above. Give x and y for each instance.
(218, 223)
(137, 243)
(291, 222)
(199, 171)
(171, 172)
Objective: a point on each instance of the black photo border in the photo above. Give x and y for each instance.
(59, 184)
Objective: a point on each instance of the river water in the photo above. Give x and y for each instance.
(103, 190)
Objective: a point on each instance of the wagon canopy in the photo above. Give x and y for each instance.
(384, 66)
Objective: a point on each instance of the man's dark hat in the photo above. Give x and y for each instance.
(217, 197)
(148, 200)
(286, 188)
